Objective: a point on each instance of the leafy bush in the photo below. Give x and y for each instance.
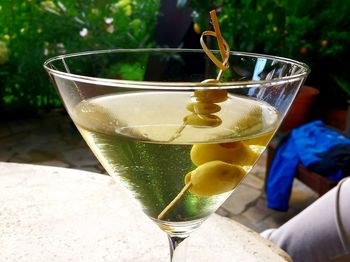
(315, 32)
(33, 30)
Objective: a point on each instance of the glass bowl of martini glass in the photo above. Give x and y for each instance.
(177, 139)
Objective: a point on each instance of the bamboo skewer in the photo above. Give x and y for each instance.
(223, 65)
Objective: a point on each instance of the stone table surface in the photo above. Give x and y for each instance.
(60, 214)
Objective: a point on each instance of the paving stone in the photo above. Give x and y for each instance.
(275, 220)
(92, 169)
(54, 163)
(259, 171)
(257, 213)
(39, 156)
(222, 212)
(4, 131)
(302, 197)
(6, 155)
(266, 224)
(20, 126)
(240, 198)
(254, 181)
(28, 142)
(80, 157)
(20, 158)
(260, 167)
(297, 185)
(56, 146)
(260, 226)
(11, 141)
(244, 221)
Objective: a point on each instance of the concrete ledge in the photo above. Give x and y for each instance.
(59, 214)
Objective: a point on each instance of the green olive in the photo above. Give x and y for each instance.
(214, 178)
(202, 120)
(94, 117)
(211, 96)
(233, 153)
(203, 108)
(252, 122)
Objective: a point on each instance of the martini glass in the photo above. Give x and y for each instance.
(178, 141)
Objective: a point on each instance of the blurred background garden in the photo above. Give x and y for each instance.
(315, 32)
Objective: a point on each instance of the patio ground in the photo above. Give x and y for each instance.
(52, 139)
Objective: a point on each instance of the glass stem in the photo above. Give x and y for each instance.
(177, 251)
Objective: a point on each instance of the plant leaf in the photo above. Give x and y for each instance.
(343, 84)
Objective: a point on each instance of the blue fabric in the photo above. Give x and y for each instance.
(305, 145)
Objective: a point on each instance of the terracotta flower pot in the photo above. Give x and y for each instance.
(300, 109)
(339, 119)
(336, 118)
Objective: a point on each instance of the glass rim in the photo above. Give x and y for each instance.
(140, 84)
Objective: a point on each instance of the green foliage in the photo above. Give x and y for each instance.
(343, 84)
(33, 30)
(134, 71)
(312, 31)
